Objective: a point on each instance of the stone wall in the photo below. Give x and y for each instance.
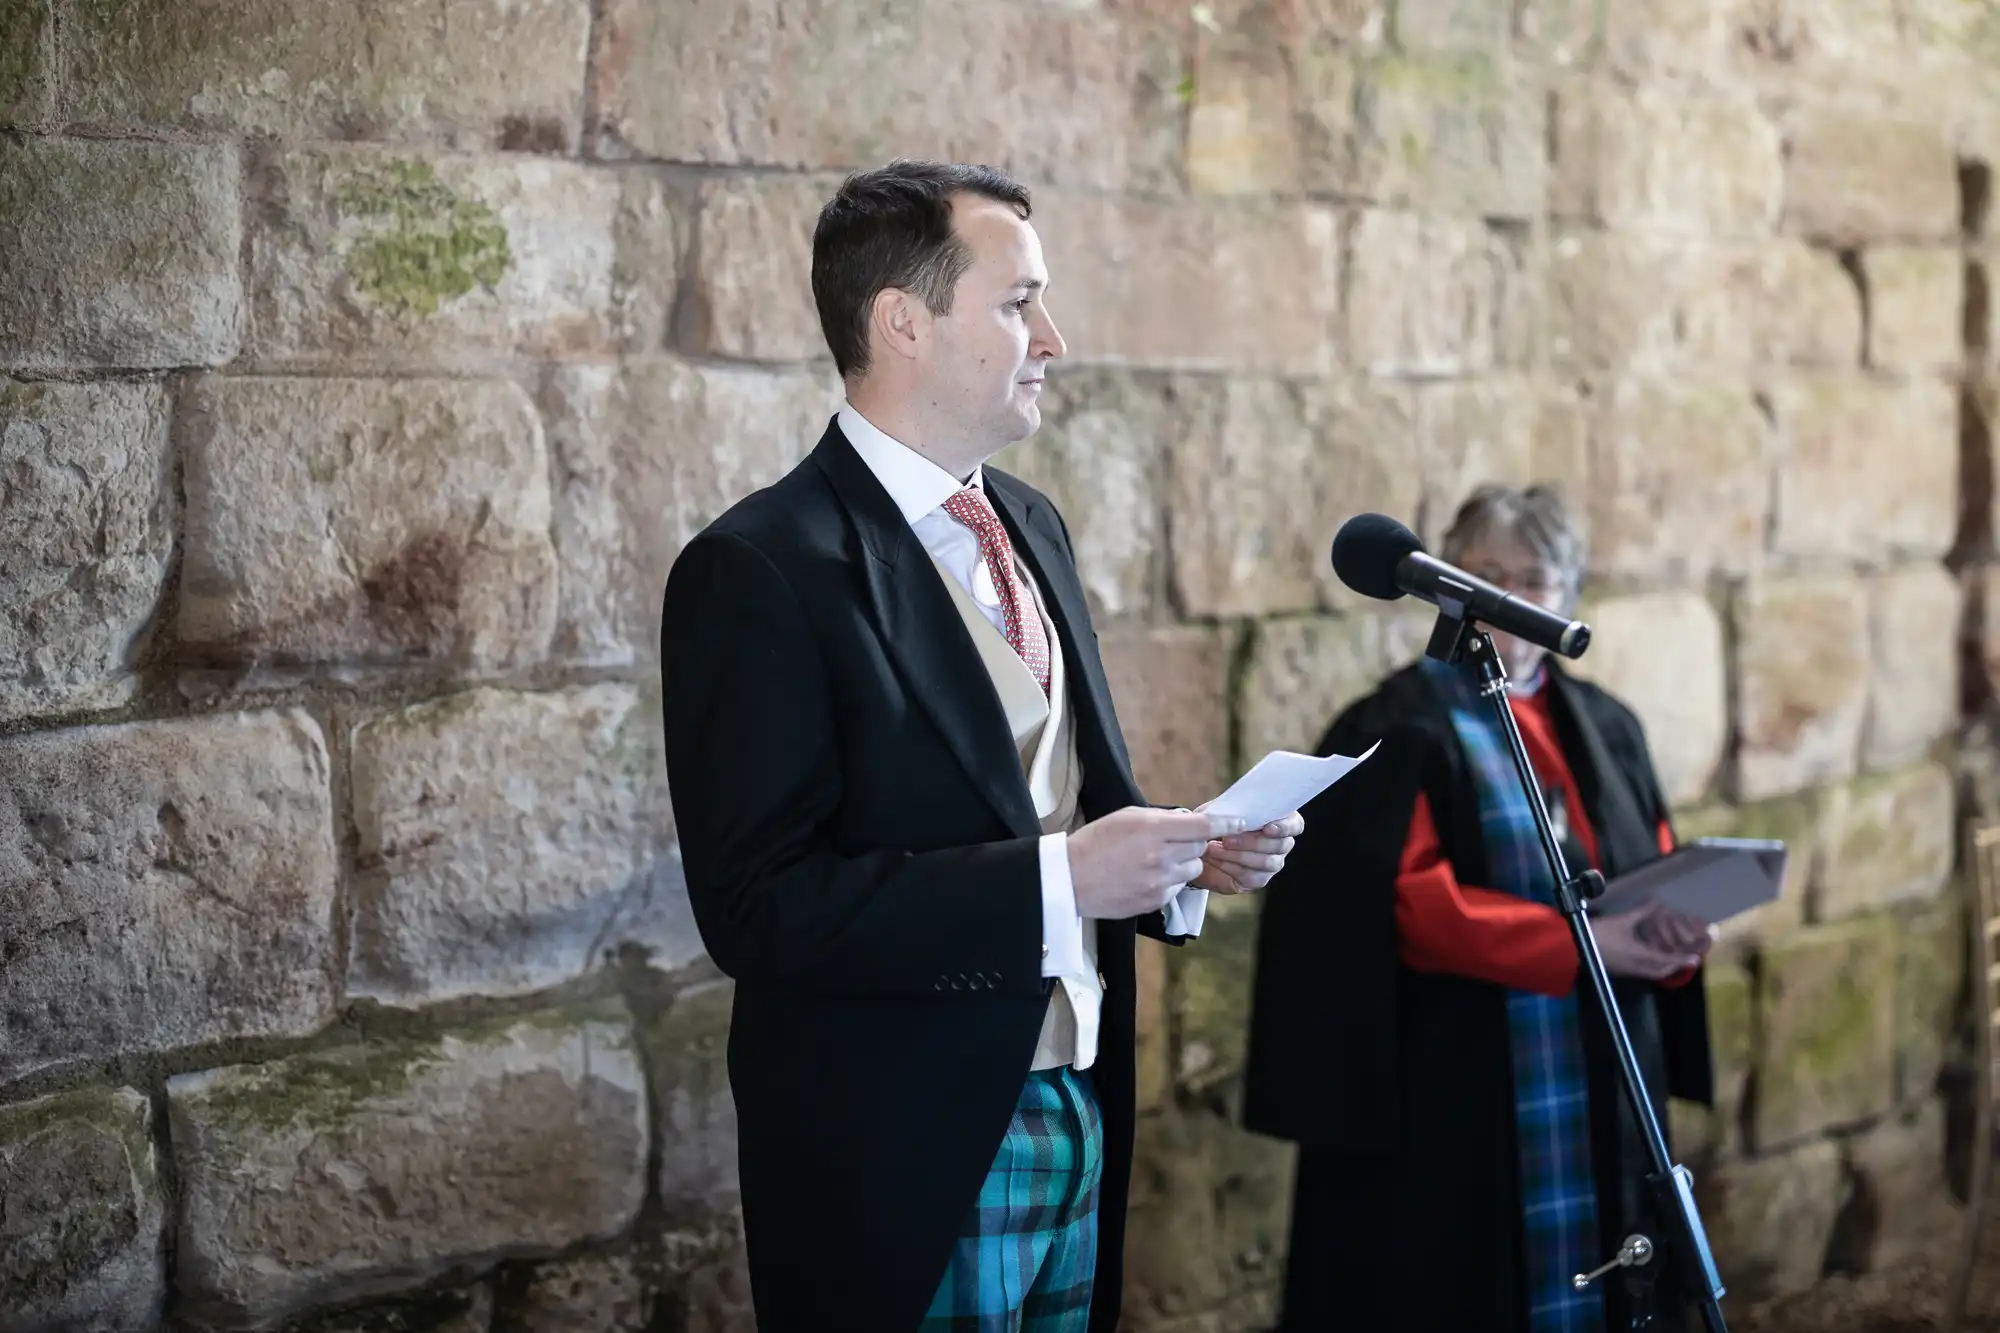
(362, 368)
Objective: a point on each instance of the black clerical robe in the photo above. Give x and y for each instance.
(1398, 1084)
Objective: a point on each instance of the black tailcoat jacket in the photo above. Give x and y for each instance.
(862, 858)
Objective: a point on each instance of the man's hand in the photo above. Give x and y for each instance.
(1651, 942)
(1249, 861)
(1133, 861)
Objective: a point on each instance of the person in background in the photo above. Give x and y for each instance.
(1420, 1024)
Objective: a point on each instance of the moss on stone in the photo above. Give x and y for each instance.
(426, 243)
(102, 1108)
(323, 1088)
(19, 398)
(326, 1087)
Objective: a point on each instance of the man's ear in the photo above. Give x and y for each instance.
(897, 322)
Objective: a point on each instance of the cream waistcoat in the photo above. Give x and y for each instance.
(1055, 781)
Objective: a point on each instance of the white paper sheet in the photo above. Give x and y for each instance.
(1282, 782)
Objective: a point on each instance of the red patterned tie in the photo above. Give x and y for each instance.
(1023, 624)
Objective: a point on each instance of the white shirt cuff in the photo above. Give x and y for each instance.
(1186, 910)
(1062, 928)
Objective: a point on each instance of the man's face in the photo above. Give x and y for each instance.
(983, 365)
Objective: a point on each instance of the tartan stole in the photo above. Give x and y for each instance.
(1551, 1087)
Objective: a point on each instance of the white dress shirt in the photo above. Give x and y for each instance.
(919, 488)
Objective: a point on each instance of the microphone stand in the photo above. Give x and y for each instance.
(1457, 639)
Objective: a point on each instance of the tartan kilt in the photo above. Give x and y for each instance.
(1026, 1255)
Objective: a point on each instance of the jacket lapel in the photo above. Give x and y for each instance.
(1055, 573)
(923, 634)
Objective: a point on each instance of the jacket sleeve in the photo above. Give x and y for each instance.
(752, 756)
(1445, 926)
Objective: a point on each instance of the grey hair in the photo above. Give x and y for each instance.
(1535, 516)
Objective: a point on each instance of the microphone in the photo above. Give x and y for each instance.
(1379, 557)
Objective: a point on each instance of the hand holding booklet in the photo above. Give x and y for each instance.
(1280, 783)
(1709, 879)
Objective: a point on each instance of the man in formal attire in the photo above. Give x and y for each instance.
(909, 822)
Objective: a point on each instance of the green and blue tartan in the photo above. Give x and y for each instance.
(1027, 1254)
(1551, 1086)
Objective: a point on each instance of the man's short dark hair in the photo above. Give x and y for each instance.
(891, 227)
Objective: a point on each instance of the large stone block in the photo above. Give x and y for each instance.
(1802, 664)
(1639, 299)
(502, 838)
(1242, 285)
(1171, 689)
(119, 254)
(86, 533)
(364, 256)
(1888, 839)
(1066, 94)
(1679, 479)
(1459, 137)
(1844, 490)
(1499, 429)
(1827, 1037)
(1304, 670)
(1853, 176)
(1931, 966)
(28, 62)
(649, 452)
(372, 521)
(693, 1111)
(1899, 1171)
(1916, 308)
(1101, 457)
(1421, 295)
(1211, 1207)
(1245, 135)
(1769, 1221)
(1654, 158)
(692, 1281)
(85, 1213)
(481, 73)
(1913, 692)
(1661, 654)
(1263, 475)
(164, 884)
(362, 1170)
(749, 293)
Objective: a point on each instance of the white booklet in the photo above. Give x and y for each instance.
(1282, 782)
(1709, 879)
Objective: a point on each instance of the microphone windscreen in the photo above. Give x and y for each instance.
(1366, 552)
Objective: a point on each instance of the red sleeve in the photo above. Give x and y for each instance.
(1444, 926)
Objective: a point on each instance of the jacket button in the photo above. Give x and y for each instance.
(958, 983)
(978, 981)
(994, 977)
(943, 984)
